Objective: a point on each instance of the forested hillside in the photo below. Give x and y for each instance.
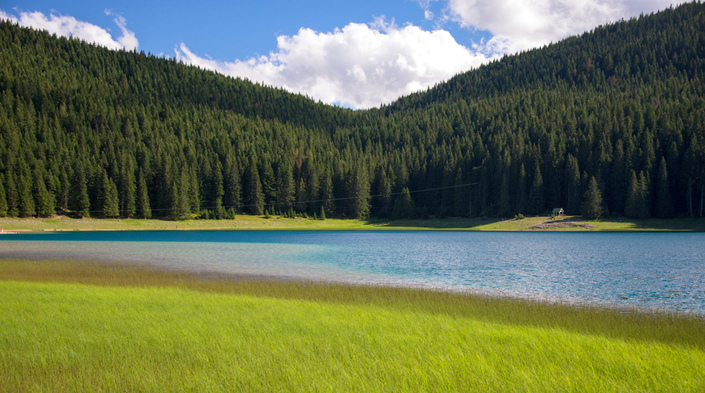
(618, 112)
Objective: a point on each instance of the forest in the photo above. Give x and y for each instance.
(607, 124)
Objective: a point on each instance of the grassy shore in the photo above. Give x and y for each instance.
(245, 222)
(82, 326)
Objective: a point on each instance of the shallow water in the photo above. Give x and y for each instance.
(653, 270)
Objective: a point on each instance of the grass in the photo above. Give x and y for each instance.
(82, 326)
(245, 222)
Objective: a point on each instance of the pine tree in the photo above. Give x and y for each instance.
(327, 195)
(592, 201)
(27, 206)
(3, 199)
(361, 193)
(255, 197)
(194, 197)
(144, 210)
(572, 185)
(636, 204)
(664, 202)
(219, 191)
(404, 206)
(285, 185)
(301, 196)
(384, 190)
(13, 209)
(45, 200)
(128, 191)
(111, 202)
(460, 199)
(233, 191)
(80, 200)
(631, 205)
(536, 193)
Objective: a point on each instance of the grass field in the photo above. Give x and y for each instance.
(245, 222)
(81, 326)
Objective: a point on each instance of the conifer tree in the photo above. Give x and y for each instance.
(111, 203)
(127, 188)
(269, 184)
(233, 192)
(592, 201)
(384, 190)
(255, 197)
(301, 196)
(80, 200)
(285, 185)
(45, 200)
(460, 199)
(144, 210)
(536, 193)
(636, 205)
(327, 195)
(404, 207)
(27, 206)
(194, 198)
(664, 202)
(219, 191)
(360, 192)
(181, 208)
(572, 185)
(3, 199)
(13, 209)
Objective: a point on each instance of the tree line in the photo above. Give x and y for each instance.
(610, 123)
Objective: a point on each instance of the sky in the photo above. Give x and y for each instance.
(355, 54)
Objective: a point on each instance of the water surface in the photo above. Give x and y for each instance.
(659, 270)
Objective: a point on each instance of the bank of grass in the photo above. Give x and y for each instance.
(246, 222)
(82, 326)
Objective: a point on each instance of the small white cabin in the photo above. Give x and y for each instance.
(558, 212)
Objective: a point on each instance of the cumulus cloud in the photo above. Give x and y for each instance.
(516, 25)
(360, 65)
(69, 26)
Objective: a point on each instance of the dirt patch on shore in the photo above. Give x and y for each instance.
(562, 224)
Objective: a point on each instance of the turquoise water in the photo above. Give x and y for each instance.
(652, 270)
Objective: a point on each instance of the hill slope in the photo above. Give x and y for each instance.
(108, 133)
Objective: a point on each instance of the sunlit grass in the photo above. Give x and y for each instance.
(246, 222)
(81, 326)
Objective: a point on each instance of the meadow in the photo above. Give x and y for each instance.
(83, 326)
(249, 222)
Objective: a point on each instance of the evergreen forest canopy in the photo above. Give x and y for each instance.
(609, 123)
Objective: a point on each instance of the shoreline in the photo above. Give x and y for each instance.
(85, 271)
(274, 223)
(515, 310)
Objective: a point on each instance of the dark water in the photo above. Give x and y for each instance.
(660, 270)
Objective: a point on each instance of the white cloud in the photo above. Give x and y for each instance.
(360, 65)
(517, 25)
(69, 26)
(128, 39)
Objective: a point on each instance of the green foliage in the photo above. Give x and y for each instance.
(111, 207)
(3, 199)
(143, 208)
(404, 206)
(523, 134)
(592, 201)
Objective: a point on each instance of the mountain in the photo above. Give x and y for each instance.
(103, 133)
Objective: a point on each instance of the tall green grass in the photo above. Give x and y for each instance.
(78, 326)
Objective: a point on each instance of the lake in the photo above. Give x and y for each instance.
(647, 270)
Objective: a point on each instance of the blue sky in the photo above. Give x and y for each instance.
(357, 54)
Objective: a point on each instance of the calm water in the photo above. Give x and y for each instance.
(659, 270)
